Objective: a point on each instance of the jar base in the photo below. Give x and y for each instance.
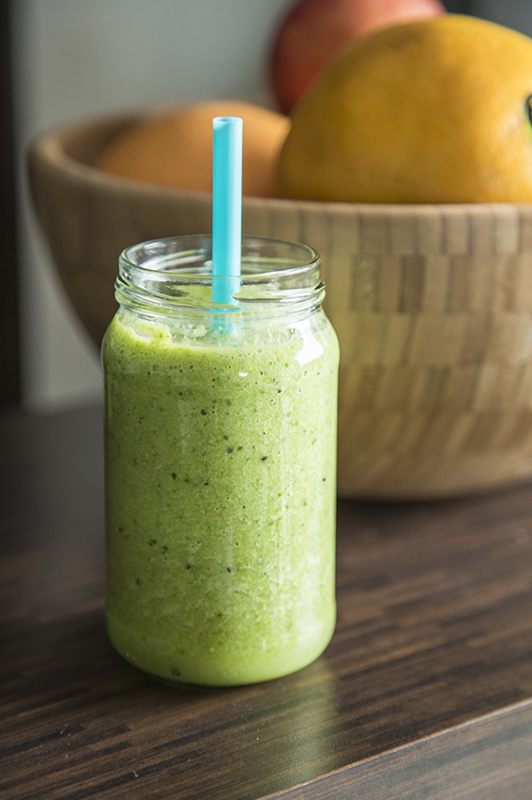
(224, 669)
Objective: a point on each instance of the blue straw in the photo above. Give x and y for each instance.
(226, 208)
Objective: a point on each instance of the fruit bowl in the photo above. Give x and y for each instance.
(432, 305)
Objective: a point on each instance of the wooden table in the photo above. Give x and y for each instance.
(424, 692)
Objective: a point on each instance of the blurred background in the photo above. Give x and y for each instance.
(69, 59)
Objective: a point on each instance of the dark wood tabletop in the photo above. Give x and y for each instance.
(424, 692)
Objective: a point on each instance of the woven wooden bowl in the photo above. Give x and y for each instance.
(432, 306)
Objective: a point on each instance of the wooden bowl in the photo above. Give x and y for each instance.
(432, 306)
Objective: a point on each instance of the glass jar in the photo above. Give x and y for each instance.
(220, 450)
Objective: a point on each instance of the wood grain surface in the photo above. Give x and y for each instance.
(424, 692)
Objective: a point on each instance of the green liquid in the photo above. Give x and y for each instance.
(221, 496)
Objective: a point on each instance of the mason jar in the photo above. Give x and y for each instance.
(220, 463)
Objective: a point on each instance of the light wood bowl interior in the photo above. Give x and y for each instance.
(432, 306)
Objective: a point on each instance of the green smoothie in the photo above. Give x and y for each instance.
(221, 489)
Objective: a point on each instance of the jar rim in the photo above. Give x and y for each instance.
(168, 275)
(164, 252)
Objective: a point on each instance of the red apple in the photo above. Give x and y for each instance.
(312, 31)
